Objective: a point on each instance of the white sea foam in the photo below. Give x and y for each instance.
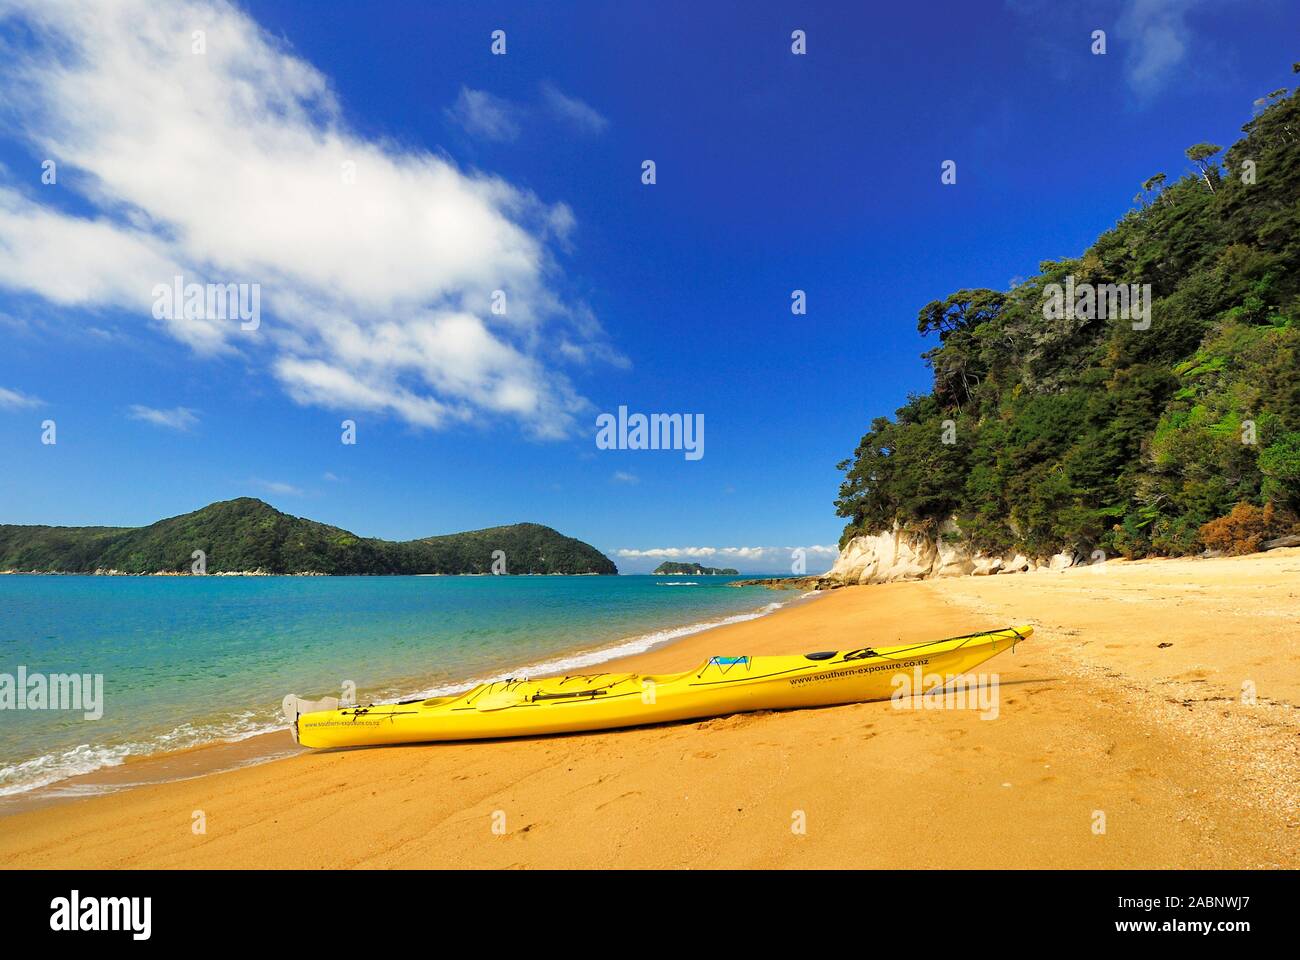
(679, 583)
(51, 767)
(86, 758)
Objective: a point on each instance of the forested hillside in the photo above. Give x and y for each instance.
(247, 534)
(1046, 432)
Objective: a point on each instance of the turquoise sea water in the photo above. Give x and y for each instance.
(188, 660)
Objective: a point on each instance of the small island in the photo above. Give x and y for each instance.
(673, 569)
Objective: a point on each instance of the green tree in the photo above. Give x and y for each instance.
(1200, 154)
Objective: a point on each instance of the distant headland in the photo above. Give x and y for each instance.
(248, 536)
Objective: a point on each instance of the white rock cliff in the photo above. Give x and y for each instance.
(898, 555)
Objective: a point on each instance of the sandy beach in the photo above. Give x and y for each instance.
(1127, 705)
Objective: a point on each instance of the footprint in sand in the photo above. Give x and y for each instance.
(621, 796)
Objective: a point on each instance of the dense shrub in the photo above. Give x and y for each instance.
(1245, 529)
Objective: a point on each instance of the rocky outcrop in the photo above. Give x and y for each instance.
(787, 583)
(899, 555)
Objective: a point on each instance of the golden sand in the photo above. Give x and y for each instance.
(1126, 705)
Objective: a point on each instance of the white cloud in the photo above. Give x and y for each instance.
(17, 400)
(622, 476)
(576, 113)
(1157, 36)
(726, 553)
(484, 115)
(177, 418)
(233, 166)
(275, 486)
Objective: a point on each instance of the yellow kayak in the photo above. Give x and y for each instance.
(722, 685)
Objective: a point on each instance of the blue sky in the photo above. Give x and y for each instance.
(473, 172)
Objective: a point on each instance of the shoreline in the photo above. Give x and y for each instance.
(265, 746)
(1122, 705)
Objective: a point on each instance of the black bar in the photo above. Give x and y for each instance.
(347, 909)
